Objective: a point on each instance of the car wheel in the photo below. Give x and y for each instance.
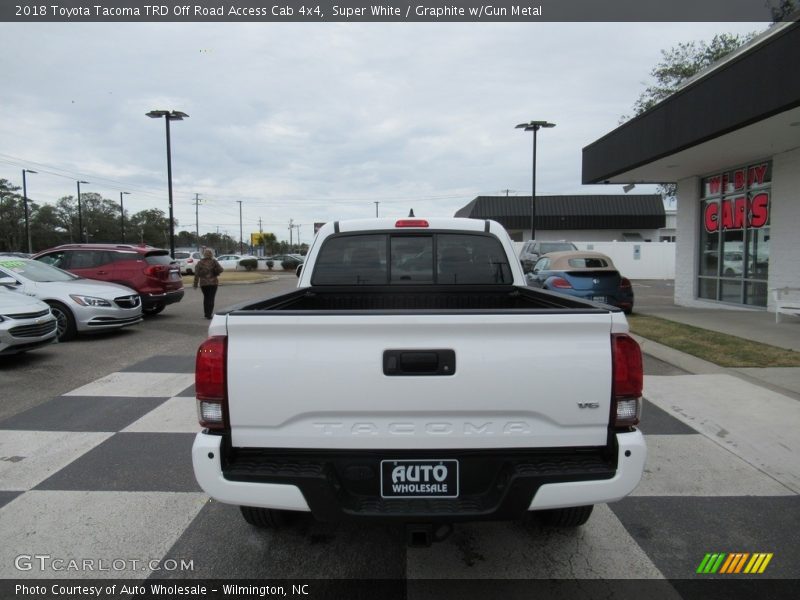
(728, 273)
(267, 518)
(573, 516)
(65, 321)
(154, 309)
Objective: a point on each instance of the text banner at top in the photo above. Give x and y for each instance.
(314, 11)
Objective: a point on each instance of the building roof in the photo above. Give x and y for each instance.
(743, 108)
(600, 211)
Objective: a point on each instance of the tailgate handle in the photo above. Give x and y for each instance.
(419, 362)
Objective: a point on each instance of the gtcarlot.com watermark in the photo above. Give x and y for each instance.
(45, 563)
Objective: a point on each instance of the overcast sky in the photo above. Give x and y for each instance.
(316, 122)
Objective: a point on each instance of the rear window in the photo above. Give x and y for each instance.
(158, 258)
(180, 255)
(588, 263)
(408, 259)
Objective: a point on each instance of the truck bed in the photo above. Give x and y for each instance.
(427, 298)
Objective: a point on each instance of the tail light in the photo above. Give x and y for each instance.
(625, 282)
(210, 383)
(560, 283)
(159, 271)
(411, 223)
(626, 392)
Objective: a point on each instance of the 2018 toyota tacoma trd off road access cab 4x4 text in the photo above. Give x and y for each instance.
(435, 387)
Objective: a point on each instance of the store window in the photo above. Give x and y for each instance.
(734, 238)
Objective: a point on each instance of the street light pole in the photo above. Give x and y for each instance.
(80, 215)
(122, 213)
(241, 238)
(27, 215)
(174, 115)
(534, 126)
(376, 209)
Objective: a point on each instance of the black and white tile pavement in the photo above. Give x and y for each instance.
(104, 472)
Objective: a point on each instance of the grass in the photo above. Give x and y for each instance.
(234, 277)
(718, 348)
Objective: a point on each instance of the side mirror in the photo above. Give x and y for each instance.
(298, 270)
(8, 281)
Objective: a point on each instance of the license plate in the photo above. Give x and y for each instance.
(600, 299)
(174, 275)
(419, 478)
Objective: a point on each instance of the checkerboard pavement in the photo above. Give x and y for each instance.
(104, 472)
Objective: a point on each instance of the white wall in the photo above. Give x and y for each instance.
(656, 259)
(784, 222)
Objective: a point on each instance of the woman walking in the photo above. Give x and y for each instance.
(205, 273)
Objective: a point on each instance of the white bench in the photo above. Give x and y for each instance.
(787, 302)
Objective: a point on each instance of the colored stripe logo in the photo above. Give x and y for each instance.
(734, 563)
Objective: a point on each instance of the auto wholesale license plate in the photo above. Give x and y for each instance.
(419, 478)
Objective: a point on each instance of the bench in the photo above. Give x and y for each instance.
(787, 302)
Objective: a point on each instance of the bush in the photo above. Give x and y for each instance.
(270, 264)
(250, 264)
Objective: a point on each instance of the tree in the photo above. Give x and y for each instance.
(150, 227)
(12, 218)
(677, 65)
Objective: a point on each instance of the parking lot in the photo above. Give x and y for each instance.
(94, 464)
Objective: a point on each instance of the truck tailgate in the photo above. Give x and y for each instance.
(517, 381)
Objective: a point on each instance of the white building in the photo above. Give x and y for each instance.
(730, 138)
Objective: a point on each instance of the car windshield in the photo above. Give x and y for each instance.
(557, 247)
(34, 270)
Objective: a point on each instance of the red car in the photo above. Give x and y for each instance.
(148, 270)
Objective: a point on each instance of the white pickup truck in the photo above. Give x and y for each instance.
(413, 377)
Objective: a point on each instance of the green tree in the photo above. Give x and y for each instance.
(12, 218)
(47, 228)
(678, 64)
(151, 227)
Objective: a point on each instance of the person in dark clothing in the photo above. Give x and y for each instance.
(206, 274)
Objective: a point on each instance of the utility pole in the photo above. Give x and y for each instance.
(261, 238)
(122, 213)
(376, 209)
(291, 227)
(241, 248)
(197, 219)
(298, 237)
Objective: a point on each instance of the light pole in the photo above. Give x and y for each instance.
(376, 209)
(122, 213)
(80, 215)
(534, 126)
(25, 202)
(174, 115)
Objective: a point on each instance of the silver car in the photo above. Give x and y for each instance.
(79, 305)
(25, 323)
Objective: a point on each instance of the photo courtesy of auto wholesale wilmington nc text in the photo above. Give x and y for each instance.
(147, 590)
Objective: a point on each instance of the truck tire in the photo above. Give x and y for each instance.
(266, 518)
(574, 516)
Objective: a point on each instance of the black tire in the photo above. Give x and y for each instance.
(267, 518)
(574, 516)
(67, 330)
(153, 309)
(628, 311)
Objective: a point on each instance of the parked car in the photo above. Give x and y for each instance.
(148, 270)
(79, 305)
(25, 323)
(587, 275)
(533, 249)
(290, 262)
(230, 262)
(187, 260)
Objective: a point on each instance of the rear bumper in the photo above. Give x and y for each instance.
(499, 484)
(155, 299)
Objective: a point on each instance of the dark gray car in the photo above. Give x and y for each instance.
(533, 249)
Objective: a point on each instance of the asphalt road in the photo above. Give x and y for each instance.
(32, 378)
